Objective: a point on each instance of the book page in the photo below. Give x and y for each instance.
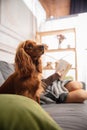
(62, 67)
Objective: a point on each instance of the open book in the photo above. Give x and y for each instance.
(62, 67)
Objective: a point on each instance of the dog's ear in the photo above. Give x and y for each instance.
(23, 63)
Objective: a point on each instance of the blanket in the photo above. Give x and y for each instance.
(55, 93)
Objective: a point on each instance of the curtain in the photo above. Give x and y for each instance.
(78, 6)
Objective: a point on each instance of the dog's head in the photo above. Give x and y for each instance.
(32, 49)
(28, 58)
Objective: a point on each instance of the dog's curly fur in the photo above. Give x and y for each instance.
(28, 68)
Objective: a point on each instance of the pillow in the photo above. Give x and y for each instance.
(21, 113)
(6, 69)
(1, 79)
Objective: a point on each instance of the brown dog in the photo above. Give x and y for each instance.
(28, 68)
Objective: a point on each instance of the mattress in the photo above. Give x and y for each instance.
(72, 116)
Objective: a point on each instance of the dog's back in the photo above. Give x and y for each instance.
(8, 86)
(21, 86)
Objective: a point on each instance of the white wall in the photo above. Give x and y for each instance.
(37, 10)
(17, 23)
(79, 23)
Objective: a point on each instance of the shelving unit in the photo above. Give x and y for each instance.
(67, 47)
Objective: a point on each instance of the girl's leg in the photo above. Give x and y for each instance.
(77, 96)
(73, 85)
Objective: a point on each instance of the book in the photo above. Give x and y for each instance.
(62, 66)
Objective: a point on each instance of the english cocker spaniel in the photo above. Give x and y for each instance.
(26, 80)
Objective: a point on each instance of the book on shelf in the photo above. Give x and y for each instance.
(62, 66)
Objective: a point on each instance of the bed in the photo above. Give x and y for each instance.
(71, 116)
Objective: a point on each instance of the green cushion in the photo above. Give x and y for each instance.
(21, 113)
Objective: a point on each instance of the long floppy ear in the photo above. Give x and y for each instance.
(24, 64)
(39, 65)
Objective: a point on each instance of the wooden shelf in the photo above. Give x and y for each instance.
(54, 68)
(55, 32)
(62, 49)
(40, 35)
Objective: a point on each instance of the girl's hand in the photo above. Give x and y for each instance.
(59, 74)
